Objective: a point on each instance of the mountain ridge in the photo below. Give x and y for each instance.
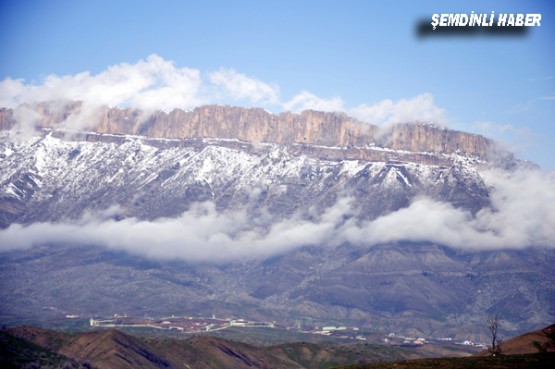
(256, 125)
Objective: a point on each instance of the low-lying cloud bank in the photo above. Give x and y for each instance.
(158, 84)
(521, 216)
(200, 234)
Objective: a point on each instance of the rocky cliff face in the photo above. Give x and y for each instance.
(250, 125)
(426, 138)
(259, 126)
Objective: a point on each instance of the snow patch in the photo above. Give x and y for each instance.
(13, 191)
(402, 176)
(8, 152)
(351, 167)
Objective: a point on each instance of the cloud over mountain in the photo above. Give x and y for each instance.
(521, 202)
(153, 83)
(520, 216)
(158, 84)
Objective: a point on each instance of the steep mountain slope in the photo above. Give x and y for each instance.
(47, 178)
(314, 285)
(241, 212)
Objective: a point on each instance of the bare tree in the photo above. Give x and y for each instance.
(493, 323)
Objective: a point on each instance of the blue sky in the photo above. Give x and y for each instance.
(363, 57)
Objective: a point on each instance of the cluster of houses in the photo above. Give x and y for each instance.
(397, 339)
(180, 324)
(199, 325)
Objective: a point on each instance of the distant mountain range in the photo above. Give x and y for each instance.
(311, 217)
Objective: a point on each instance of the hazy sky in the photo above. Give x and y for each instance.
(363, 57)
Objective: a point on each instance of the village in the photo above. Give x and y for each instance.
(196, 325)
(179, 324)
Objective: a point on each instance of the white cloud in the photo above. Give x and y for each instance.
(518, 139)
(386, 112)
(241, 87)
(521, 216)
(149, 84)
(158, 84)
(523, 208)
(419, 108)
(494, 129)
(375, 114)
(308, 101)
(201, 234)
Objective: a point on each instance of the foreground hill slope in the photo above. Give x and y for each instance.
(531, 361)
(111, 349)
(21, 351)
(531, 350)
(540, 341)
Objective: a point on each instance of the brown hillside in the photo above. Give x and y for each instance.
(215, 353)
(542, 340)
(113, 349)
(50, 340)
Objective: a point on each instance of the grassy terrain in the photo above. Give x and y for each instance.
(270, 336)
(324, 356)
(535, 361)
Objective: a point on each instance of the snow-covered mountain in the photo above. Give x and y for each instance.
(233, 157)
(48, 178)
(313, 215)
